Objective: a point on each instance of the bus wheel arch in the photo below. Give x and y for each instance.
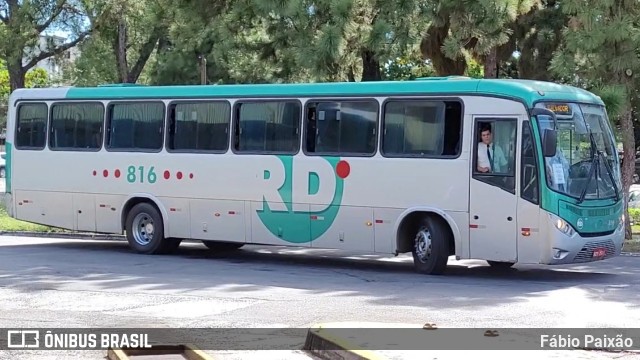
(135, 200)
(139, 211)
(427, 231)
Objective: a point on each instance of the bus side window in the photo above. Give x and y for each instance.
(311, 130)
(31, 127)
(345, 127)
(494, 152)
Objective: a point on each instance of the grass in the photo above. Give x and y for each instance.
(8, 223)
(632, 245)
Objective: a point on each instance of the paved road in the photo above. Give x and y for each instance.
(102, 284)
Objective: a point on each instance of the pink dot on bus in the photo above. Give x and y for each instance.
(105, 173)
(117, 173)
(343, 169)
(179, 175)
(95, 173)
(191, 176)
(167, 174)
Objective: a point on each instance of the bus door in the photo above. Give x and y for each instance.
(528, 230)
(492, 193)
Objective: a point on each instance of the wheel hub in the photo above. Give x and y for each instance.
(143, 229)
(423, 244)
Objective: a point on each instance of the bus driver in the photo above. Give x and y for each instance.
(490, 157)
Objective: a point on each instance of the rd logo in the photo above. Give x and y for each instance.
(301, 197)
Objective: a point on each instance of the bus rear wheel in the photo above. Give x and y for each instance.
(430, 247)
(145, 231)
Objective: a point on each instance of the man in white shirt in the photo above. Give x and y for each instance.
(490, 157)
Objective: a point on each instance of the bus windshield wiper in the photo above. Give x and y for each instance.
(600, 155)
(594, 164)
(610, 171)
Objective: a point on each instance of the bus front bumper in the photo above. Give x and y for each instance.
(573, 249)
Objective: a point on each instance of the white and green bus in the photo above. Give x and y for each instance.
(370, 167)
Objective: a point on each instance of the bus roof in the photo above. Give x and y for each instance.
(527, 91)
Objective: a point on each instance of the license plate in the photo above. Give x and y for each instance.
(599, 252)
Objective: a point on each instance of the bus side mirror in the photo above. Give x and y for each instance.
(549, 143)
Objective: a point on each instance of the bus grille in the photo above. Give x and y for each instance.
(586, 254)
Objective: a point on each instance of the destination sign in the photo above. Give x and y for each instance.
(559, 108)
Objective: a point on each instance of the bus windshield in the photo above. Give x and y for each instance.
(586, 164)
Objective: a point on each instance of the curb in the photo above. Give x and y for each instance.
(190, 352)
(321, 343)
(63, 235)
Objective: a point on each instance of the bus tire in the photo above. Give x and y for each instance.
(220, 246)
(430, 246)
(145, 231)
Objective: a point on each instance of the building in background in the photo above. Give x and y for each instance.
(55, 65)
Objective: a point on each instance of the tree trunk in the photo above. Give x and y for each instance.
(144, 54)
(16, 74)
(121, 50)
(431, 48)
(491, 64)
(370, 66)
(628, 167)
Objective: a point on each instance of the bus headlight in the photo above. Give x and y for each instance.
(563, 226)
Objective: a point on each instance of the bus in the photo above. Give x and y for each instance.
(388, 167)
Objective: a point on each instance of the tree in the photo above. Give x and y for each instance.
(600, 51)
(34, 78)
(407, 67)
(478, 28)
(140, 25)
(23, 22)
(537, 35)
(338, 40)
(230, 36)
(120, 53)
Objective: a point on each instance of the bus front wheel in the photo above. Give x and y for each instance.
(430, 247)
(145, 231)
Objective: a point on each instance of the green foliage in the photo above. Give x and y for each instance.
(614, 97)
(34, 78)
(537, 34)
(479, 28)
(600, 44)
(96, 64)
(474, 69)
(407, 68)
(10, 224)
(634, 216)
(142, 24)
(24, 22)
